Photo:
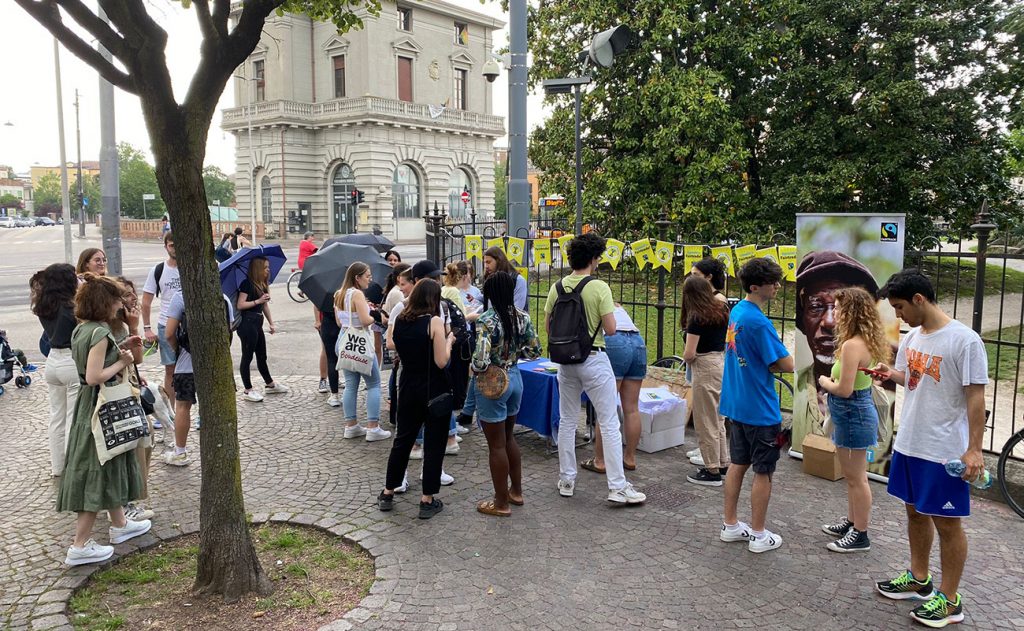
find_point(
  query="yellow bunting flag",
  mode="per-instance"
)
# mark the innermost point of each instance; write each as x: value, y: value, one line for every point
x: 768, y: 253
x: 542, y: 251
x: 563, y: 246
x: 787, y: 259
x: 516, y: 249
x: 522, y: 272
x: 663, y: 253
x: 642, y: 252
x: 474, y: 247
x: 744, y: 253
x: 497, y: 242
x: 691, y: 254
x: 724, y: 254
x: 613, y: 253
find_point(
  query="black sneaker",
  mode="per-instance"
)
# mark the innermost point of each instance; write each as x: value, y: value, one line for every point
x: 853, y: 541
x: 429, y: 509
x: 705, y: 478
x: 905, y: 586
x: 838, y: 530
x: 385, y: 502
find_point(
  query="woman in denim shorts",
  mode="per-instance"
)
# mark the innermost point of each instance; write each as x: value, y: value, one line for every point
x: 504, y: 334
x: 860, y: 343
x: 627, y: 353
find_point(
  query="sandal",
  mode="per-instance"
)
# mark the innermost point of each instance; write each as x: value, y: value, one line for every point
x: 487, y: 508
x: 629, y: 467
x: 589, y: 465
x: 516, y: 502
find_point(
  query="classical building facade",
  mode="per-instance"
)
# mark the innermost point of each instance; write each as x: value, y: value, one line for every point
x: 399, y: 111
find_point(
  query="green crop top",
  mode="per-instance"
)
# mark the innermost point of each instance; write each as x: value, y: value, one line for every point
x: 862, y: 382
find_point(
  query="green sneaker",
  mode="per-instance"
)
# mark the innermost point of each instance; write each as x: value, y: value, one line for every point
x: 938, y: 612
x: 905, y: 586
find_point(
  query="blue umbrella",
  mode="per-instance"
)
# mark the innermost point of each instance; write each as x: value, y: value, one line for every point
x: 236, y: 269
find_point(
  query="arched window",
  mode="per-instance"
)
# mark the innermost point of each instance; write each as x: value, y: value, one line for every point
x: 405, y: 193
x: 265, y: 206
x: 460, y: 182
x: 342, y: 184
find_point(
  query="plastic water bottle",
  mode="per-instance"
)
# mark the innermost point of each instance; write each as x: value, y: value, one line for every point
x: 956, y: 469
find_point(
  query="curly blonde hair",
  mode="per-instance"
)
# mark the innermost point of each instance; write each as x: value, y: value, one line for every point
x: 857, y: 314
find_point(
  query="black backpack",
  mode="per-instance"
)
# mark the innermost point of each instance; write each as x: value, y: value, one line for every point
x: 457, y: 321
x: 181, y: 333
x: 569, y: 338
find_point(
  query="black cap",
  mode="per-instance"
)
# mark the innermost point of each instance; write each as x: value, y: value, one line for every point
x: 425, y: 269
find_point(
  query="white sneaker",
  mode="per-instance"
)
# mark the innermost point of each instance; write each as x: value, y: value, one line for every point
x: 323, y: 388
x: 446, y: 480
x: 739, y: 532
x: 405, y: 485
x: 458, y: 439
x: 91, y: 552
x: 334, y: 400
x: 253, y: 396
x: 769, y: 541
x: 416, y: 453
x: 374, y: 434
x: 626, y: 495
x: 137, y: 512
x: 277, y: 388
x: 697, y: 460
x: 461, y: 429
x: 354, y: 431
x: 176, y: 460
x: 452, y: 449
x: 130, y: 530
x: 566, y: 487
x: 693, y: 452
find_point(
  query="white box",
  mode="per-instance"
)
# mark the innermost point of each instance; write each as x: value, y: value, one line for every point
x: 662, y: 420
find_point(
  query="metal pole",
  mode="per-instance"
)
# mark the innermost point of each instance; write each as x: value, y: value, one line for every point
x: 81, y: 184
x: 663, y: 223
x: 144, y: 207
x: 252, y: 160
x: 110, y: 176
x: 518, y: 187
x: 579, y: 168
x: 984, y: 228
x: 64, y: 196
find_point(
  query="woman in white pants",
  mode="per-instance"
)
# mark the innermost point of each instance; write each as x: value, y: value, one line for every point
x: 53, y: 294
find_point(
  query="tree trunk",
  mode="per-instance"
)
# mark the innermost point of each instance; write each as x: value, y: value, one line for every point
x: 227, y: 563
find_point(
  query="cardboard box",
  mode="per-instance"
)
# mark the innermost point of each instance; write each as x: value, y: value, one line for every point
x: 665, y: 428
x: 820, y: 458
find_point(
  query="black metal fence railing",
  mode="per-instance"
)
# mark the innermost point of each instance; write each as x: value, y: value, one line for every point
x: 979, y: 284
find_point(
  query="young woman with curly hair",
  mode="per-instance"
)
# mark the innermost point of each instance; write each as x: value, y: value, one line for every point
x: 860, y: 343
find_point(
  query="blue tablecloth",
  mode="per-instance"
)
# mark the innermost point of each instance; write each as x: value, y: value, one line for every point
x: 539, y: 409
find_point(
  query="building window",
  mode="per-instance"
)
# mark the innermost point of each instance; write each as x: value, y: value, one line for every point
x: 461, y: 99
x: 339, y: 77
x: 405, y: 79
x: 462, y: 34
x: 260, y: 80
x: 405, y: 193
x: 268, y: 212
x: 460, y: 182
x: 404, y: 19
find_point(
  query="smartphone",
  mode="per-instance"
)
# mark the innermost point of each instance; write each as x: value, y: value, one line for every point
x: 873, y: 373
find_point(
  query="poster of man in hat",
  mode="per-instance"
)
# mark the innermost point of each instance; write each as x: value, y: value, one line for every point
x: 836, y: 251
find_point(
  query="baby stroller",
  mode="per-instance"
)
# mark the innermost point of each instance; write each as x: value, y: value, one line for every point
x: 7, y: 361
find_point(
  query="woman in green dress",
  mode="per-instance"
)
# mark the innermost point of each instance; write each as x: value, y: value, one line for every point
x: 86, y: 486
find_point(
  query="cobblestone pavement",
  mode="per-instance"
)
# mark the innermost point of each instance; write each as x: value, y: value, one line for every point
x: 555, y: 564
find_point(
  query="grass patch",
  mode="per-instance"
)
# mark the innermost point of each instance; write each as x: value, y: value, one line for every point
x: 953, y: 277
x: 317, y: 578
x: 1005, y: 358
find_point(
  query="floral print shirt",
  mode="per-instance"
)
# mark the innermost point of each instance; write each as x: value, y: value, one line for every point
x: 490, y: 342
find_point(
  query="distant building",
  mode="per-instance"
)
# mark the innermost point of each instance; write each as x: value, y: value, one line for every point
x: 399, y: 111
x: 10, y: 184
x: 89, y: 167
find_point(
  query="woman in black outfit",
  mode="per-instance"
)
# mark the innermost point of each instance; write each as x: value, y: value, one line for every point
x: 419, y: 337
x: 253, y: 296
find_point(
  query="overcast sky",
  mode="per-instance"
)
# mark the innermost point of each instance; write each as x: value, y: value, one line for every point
x: 29, y: 102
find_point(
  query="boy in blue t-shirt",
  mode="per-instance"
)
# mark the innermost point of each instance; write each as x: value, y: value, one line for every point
x: 753, y: 351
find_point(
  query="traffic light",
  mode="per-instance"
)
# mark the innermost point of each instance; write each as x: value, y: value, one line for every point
x: 357, y: 196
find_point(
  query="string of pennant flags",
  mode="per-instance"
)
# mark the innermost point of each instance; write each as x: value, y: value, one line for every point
x: 644, y: 252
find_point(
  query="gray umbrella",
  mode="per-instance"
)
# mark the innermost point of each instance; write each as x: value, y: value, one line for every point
x: 376, y: 241
x: 324, y: 272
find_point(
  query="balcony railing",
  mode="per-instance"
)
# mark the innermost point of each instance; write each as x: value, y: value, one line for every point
x: 359, y: 109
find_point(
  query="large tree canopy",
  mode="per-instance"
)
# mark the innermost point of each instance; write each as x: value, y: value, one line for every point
x: 733, y: 116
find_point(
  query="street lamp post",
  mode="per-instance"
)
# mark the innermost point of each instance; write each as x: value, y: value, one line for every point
x: 81, y: 184
x: 64, y: 196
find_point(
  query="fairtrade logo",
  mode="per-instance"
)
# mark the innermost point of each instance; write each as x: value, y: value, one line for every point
x: 890, y: 231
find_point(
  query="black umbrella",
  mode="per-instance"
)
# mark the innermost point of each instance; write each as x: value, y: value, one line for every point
x: 324, y: 272
x: 376, y: 241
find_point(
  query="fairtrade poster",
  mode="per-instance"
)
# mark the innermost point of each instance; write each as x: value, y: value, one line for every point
x: 724, y: 254
x: 835, y: 251
x: 516, y: 249
x: 522, y: 272
x: 770, y: 252
x: 474, y: 247
x: 692, y: 254
x: 663, y: 252
x: 497, y: 242
x: 563, y: 246
x: 542, y: 251
x: 743, y: 254
x: 787, y: 259
x: 613, y: 253
x: 642, y: 252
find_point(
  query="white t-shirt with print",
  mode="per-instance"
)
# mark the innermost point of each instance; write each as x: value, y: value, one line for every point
x: 170, y: 286
x: 933, y: 424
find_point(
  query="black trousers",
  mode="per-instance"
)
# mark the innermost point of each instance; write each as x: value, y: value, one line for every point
x: 458, y: 373
x: 254, y: 343
x: 412, y: 414
x: 329, y: 333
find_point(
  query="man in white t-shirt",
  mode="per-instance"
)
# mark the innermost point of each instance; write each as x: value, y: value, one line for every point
x: 165, y: 282
x: 942, y: 365
x: 184, y: 383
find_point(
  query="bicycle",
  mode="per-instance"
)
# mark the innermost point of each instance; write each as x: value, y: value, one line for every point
x: 293, y: 286
x: 1014, y: 494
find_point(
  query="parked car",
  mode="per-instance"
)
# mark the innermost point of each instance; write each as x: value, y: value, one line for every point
x: 8, y: 222
x: 24, y: 222
x: 45, y: 221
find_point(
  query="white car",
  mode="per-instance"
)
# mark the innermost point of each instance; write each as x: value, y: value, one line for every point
x: 7, y: 222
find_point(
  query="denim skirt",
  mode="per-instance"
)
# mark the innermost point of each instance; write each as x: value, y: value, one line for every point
x: 855, y: 420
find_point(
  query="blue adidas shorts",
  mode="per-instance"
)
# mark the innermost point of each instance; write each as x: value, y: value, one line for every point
x: 927, y: 487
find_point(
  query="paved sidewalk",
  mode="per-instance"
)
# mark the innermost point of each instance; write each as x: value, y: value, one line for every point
x: 555, y: 564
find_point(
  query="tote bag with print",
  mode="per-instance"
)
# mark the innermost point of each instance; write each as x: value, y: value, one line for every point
x: 355, y: 347
x: 119, y: 422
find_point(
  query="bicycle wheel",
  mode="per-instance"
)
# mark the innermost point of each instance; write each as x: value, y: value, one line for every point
x: 293, y: 288
x: 1011, y: 465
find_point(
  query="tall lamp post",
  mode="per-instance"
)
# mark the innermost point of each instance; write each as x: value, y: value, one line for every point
x: 65, y: 201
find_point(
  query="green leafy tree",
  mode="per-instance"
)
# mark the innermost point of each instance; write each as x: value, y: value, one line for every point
x: 500, y: 189
x: 138, y: 178
x: 91, y: 192
x: 227, y: 562
x: 46, y: 195
x: 218, y: 186
x: 10, y: 202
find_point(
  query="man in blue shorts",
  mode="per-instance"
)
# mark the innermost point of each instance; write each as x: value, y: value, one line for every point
x: 943, y: 368
x: 753, y: 351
